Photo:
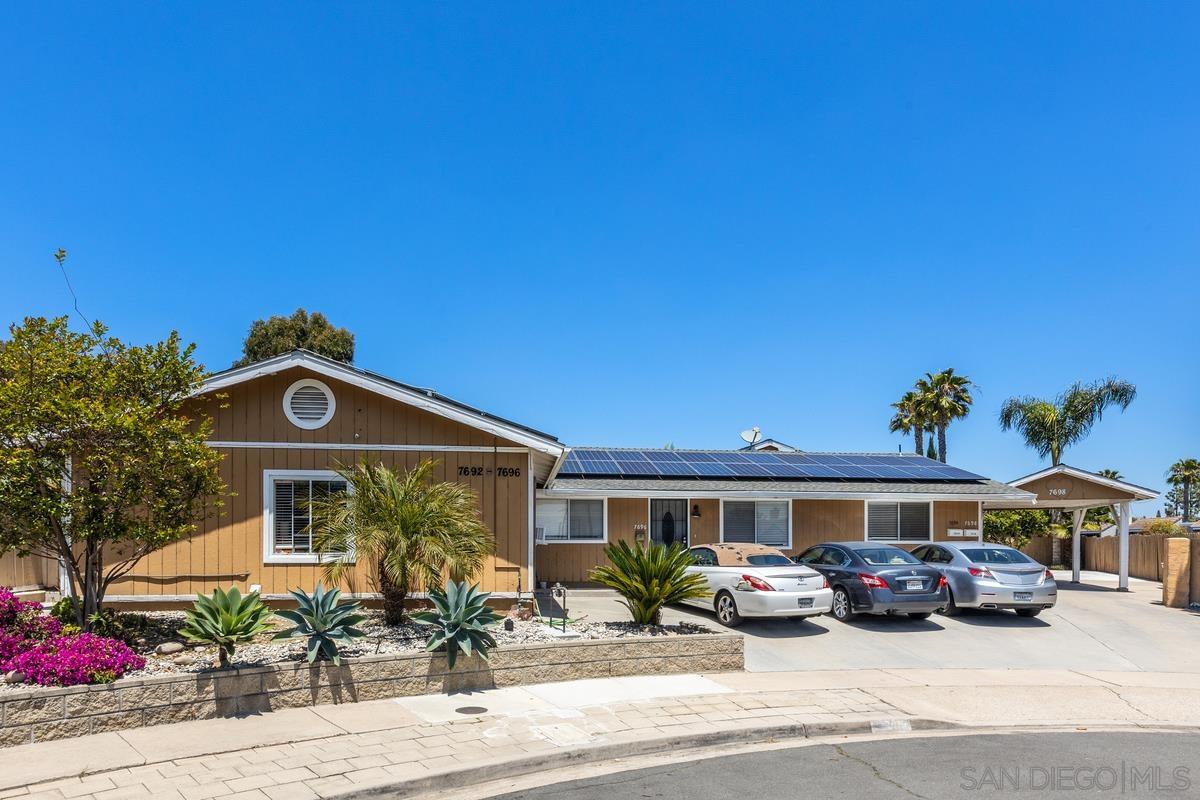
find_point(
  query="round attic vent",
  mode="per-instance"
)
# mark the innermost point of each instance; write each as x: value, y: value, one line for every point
x: 308, y: 404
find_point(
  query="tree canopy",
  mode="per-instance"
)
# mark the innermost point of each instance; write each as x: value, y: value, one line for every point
x: 100, y: 461
x: 300, y: 331
x: 1051, y: 426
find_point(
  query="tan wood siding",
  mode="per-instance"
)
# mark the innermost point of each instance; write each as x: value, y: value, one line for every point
x: 954, y: 514
x: 706, y: 529
x: 571, y: 562
x: 33, y: 572
x: 1066, y: 488
x: 816, y: 521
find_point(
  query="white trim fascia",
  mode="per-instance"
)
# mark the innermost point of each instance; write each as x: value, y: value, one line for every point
x: 721, y: 519
x: 355, y: 378
x: 604, y: 523
x: 758, y: 495
x: 558, y: 462
x: 268, y: 515
x: 1139, y: 492
x: 406, y: 448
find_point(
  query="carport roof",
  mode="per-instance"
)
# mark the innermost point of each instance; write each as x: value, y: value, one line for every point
x: 1067, y: 487
x: 817, y: 490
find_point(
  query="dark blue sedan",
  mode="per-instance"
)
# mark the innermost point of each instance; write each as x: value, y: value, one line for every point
x: 875, y: 578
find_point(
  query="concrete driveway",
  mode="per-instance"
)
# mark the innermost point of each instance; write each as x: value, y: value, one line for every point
x: 1093, y: 627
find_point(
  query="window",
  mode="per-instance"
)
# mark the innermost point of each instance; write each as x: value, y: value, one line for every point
x: 886, y: 556
x: 996, y: 555
x: 287, y: 495
x: 899, y: 522
x: 570, y: 520
x: 704, y: 557
x: 308, y: 403
x: 764, y: 522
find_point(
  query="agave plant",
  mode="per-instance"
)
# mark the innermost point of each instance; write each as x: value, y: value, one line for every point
x: 226, y: 619
x: 649, y: 578
x: 460, y: 618
x: 324, y: 621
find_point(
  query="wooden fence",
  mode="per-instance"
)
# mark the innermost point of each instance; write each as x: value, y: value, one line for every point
x: 27, y: 573
x: 1040, y: 549
x: 1146, y: 554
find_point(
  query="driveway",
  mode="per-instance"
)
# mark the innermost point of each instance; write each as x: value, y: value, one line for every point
x: 1093, y: 627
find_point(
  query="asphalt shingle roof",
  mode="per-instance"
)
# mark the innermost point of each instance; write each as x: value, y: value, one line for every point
x: 651, y: 485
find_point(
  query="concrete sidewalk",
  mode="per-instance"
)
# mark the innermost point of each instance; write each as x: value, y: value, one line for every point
x: 412, y: 745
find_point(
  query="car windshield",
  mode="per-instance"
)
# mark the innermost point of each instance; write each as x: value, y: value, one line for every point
x: 988, y: 555
x: 885, y: 556
x: 768, y: 560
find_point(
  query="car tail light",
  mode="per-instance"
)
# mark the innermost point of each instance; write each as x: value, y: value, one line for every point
x: 942, y: 581
x: 1047, y: 576
x: 872, y: 581
x: 758, y: 584
x: 824, y: 582
x: 981, y: 572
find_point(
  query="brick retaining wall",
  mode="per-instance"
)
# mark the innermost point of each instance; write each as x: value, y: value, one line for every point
x: 36, y: 715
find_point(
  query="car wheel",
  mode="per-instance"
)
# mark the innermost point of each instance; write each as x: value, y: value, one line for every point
x: 951, y: 608
x: 727, y: 613
x: 922, y: 615
x: 1028, y: 612
x: 841, y: 606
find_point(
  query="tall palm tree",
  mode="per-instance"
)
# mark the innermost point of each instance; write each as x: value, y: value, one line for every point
x: 943, y: 398
x: 1051, y: 426
x: 1182, y: 474
x: 415, y: 532
x: 908, y: 419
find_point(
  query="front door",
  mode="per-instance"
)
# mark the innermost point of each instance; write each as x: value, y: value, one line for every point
x: 668, y: 522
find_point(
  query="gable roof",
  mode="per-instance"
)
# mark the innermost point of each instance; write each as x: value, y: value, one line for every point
x: 424, y: 399
x: 765, y: 444
x: 1139, y: 492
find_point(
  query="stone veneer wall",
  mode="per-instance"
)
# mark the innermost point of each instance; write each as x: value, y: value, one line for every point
x: 37, y: 715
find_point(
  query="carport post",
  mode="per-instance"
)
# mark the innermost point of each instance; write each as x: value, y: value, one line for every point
x: 1076, y: 527
x: 1123, y: 546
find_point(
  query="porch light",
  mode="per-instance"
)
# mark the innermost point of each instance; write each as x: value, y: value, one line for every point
x: 695, y: 511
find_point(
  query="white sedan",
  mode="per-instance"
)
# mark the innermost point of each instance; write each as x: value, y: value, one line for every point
x: 750, y: 580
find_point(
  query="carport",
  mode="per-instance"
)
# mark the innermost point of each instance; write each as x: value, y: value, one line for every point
x: 1076, y: 490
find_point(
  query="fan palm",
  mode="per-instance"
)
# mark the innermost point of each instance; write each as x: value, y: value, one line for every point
x: 416, y: 532
x: 909, y: 418
x: 1183, y: 474
x: 944, y: 397
x: 1051, y: 426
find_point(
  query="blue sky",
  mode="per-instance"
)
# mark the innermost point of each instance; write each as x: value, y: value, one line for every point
x: 628, y: 224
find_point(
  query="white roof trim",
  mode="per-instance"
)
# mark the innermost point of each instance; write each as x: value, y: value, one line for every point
x: 1015, y: 497
x: 1139, y: 492
x: 347, y: 374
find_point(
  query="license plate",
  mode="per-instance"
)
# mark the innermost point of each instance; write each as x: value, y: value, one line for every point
x: 805, y: 602
x: 1022, y: 597
x: 913, y: 586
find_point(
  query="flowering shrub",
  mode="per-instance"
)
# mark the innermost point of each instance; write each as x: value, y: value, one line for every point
x: 70, y: 660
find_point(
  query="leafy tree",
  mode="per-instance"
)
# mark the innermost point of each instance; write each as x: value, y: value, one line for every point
x: 415, y: 532
x: 1051, y: 426
x: 1015, y: 528
x: 1173, y: 503
x: 276, y: 335
x: 1163, y: 527
x: 942, y: 398
x: 1184, y: 474
x: 1097, y: 518
x: 909, y: 418
x: 100, y: 462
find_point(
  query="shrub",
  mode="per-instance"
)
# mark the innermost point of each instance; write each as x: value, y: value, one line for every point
x: 22, y: 624
x: 649, y: 578
x: 1161, y: 526
x: 460, y: 618
x: 72, y: 660
x: 1015, y: 528
x: 320, y: 618
x: 226, y: 619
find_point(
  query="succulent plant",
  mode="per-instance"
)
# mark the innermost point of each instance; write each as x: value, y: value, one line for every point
x: 649, y: 578
x: 460, y: 618
x: 226, y: 619
x: 324, y: 621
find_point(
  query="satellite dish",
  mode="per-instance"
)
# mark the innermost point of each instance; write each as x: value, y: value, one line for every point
x: 752, y: 436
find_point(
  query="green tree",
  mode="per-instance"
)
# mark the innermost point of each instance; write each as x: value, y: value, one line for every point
x: 909, y: 418
x: 1051, y: 426
x: 1015, y: 528
x: 1184, y: 474
x: 1173, y: 503
x: 417, y: 533
x: 101, y: 460
x: 301, y: 331
x: 1097, y: 518
x: 943, y: 397
x: 1163, y: 527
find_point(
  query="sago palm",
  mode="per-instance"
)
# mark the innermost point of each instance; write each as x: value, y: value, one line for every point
x: 942, y: 398
x: 1183, y: 474
x: 648, y: 578
x: 1051, y: 426
x: 416, y: 532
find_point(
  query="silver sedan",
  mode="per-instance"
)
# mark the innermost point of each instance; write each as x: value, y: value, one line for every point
x: 992, y: 576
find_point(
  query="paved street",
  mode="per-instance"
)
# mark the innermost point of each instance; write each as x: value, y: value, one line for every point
x: 1103, y: 764
x: 1092, y: 627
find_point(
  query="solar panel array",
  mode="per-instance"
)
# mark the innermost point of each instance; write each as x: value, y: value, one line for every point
x: 734, y: 465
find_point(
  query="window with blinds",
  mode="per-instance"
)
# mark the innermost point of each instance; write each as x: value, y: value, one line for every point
x: 896, y: 522
x: 570, y: 520
x: 756, y: 522
x: 291, y: 512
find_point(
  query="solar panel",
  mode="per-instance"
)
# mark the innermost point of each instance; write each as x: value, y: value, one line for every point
x: 614, y: 462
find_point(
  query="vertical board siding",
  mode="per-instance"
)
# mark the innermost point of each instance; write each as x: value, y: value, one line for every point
x: 572, y: 562
x: 816, y: 521
x: 33, y: 572
x: 954, y: 514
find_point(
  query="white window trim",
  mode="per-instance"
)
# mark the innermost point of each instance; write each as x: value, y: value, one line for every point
x: 308, y: 425
x: 721, y: 537
x: 268, y: 515
x: 867, y: 524
x: 603, y: 528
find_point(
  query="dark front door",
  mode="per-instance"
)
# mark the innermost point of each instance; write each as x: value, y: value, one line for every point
x: 669, y: 521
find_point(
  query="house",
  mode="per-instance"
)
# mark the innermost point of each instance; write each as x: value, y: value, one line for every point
x: 284, y: 425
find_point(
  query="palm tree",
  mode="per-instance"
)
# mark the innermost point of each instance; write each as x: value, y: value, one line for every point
x: 909, y: 419
x: 1051, y: 426
x: 1099, y: 517
x: 943, y: 398
x: 1182, y: 474
x: 416, y: 533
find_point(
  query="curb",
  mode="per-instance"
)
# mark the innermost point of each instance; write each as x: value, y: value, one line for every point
x: 458, y: 779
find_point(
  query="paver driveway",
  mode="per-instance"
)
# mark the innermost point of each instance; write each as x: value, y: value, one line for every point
x: 1093, y: 627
